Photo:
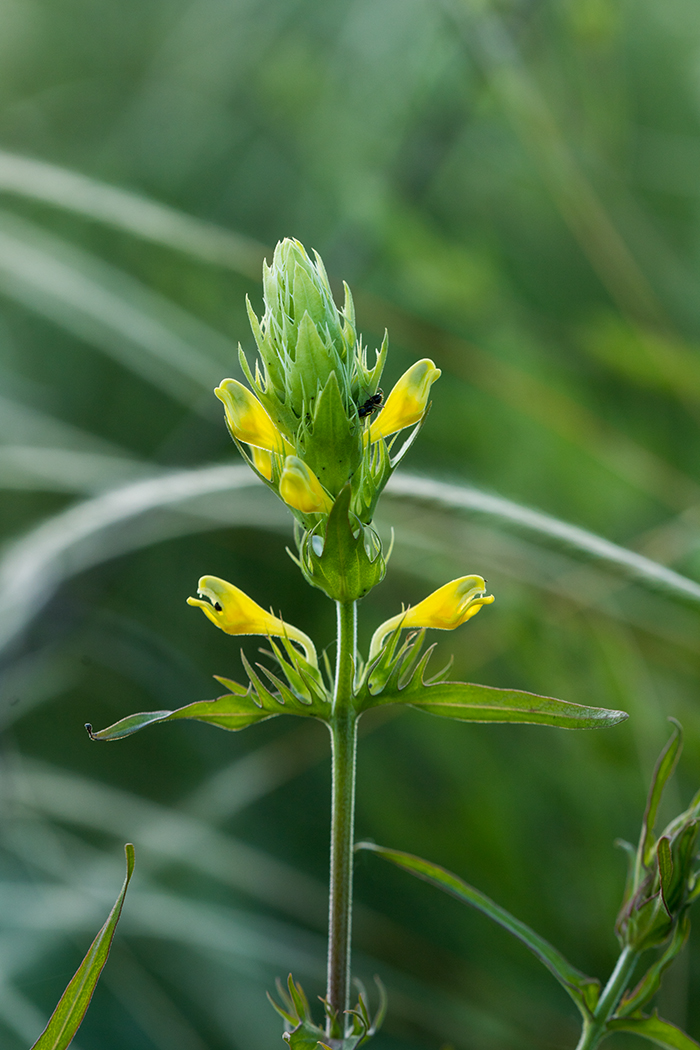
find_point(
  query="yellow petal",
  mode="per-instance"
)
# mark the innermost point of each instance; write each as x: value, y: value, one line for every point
x: 301, y: 489
x: 446, y: 608
x: 248, y: 419
x: 406, y: 403
x: 262, y: 460
x: 234, y: 612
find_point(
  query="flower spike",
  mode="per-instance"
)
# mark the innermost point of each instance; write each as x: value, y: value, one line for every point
x: 446, y: 608
x: 235, y: 613
x: 247, y: 418
x: 301, y: 489
x: 406, y: 403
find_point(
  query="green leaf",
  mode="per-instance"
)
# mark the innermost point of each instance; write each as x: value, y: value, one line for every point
x: 68, y: 1015
x: 662, y: 771
x: 656, y: 1030
x: 233, y: 712
x: 651, y: 981
x: 582, y: 989
x: 481, y: 703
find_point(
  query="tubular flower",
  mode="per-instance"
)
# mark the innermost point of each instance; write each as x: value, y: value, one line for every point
x: 406, y: 403
x: 247, y: 418
x: 235, y: 613
x: 446, y: 608
x: 262, y: 460
x: 301, y: 489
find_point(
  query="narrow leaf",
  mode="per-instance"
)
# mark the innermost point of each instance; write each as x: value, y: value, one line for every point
x: 467, y: 702
x: 232, y: 712
x: 68, y: 1015
x: 582, y: 989
x: 662, y: 771
x: 656, y: 1030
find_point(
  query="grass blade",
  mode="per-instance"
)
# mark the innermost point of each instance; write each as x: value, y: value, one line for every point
x: 547, y: 529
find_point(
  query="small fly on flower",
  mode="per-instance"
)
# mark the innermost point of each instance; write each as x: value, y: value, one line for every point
x: 372, y: 404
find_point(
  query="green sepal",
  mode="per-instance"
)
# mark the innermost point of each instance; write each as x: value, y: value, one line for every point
x: 350, y: 562
x: 655, y: 1029
x: 331, y: 444
x: 70, y: 1011
x: 468, y: 702
x: 583, y: 990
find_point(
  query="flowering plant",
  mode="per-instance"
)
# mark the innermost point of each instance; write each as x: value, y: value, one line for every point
x: 314, y: 426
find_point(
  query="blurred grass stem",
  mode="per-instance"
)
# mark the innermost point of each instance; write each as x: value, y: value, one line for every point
x: 343, y: 729
x: 595, y: 1029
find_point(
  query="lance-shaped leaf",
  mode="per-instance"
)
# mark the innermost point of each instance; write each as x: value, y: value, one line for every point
x: 662, y: 771
x: 68, y: 1015
x: 238, y: 709
x: 656, y: 1030
x: 582, y: 989
x: 468, y: 702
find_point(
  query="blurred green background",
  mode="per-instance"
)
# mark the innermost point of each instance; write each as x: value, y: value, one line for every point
x: 513, y: 189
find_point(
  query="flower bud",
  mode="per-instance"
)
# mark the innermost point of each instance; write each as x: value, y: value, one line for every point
x: 235, y: 613
x: 301, y: 489
x: 446, y: 608
x: 407, y: 401
x: 247, y: 419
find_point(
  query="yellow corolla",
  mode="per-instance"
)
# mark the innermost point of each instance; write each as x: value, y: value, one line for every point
x: 446, y: 608
x: 262, y: 460
x: 248, y: 419
x: 235, y: 613
x: 301, y: 489
x: 406, y: 403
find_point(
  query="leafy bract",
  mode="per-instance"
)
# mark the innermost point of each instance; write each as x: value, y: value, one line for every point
x: 656, y: 1030
x: 582, y: 989
x: 302, y: 694
x: 397, y: 676
x: 240, y: 708
x: 68, y: 1015
x: 468, y: 702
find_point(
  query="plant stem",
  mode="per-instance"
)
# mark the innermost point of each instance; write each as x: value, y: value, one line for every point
x: 343, y: 727
x: 594, y: 1030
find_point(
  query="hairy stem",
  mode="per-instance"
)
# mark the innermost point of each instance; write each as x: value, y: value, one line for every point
x: 594, y: 1030
x: 343, y: 729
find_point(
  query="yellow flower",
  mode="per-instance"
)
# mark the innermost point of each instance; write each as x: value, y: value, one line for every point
x: 248, y: 419
x: 406, y: 403
x: 262, y: 460
x: 235, y: 613
x: 446, y: 608
x: 301, y: 489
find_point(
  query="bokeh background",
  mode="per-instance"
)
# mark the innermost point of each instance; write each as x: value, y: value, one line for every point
x: 513, y: 189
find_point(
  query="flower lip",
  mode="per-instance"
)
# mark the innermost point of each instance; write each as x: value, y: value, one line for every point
x: 445, y: 609
x: 234, y: 612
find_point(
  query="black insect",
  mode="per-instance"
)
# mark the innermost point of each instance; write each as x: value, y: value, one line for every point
x: 372, y: 404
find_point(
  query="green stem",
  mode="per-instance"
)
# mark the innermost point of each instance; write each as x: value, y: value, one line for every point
x: 594, y: 1030
x: 343, y: 727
